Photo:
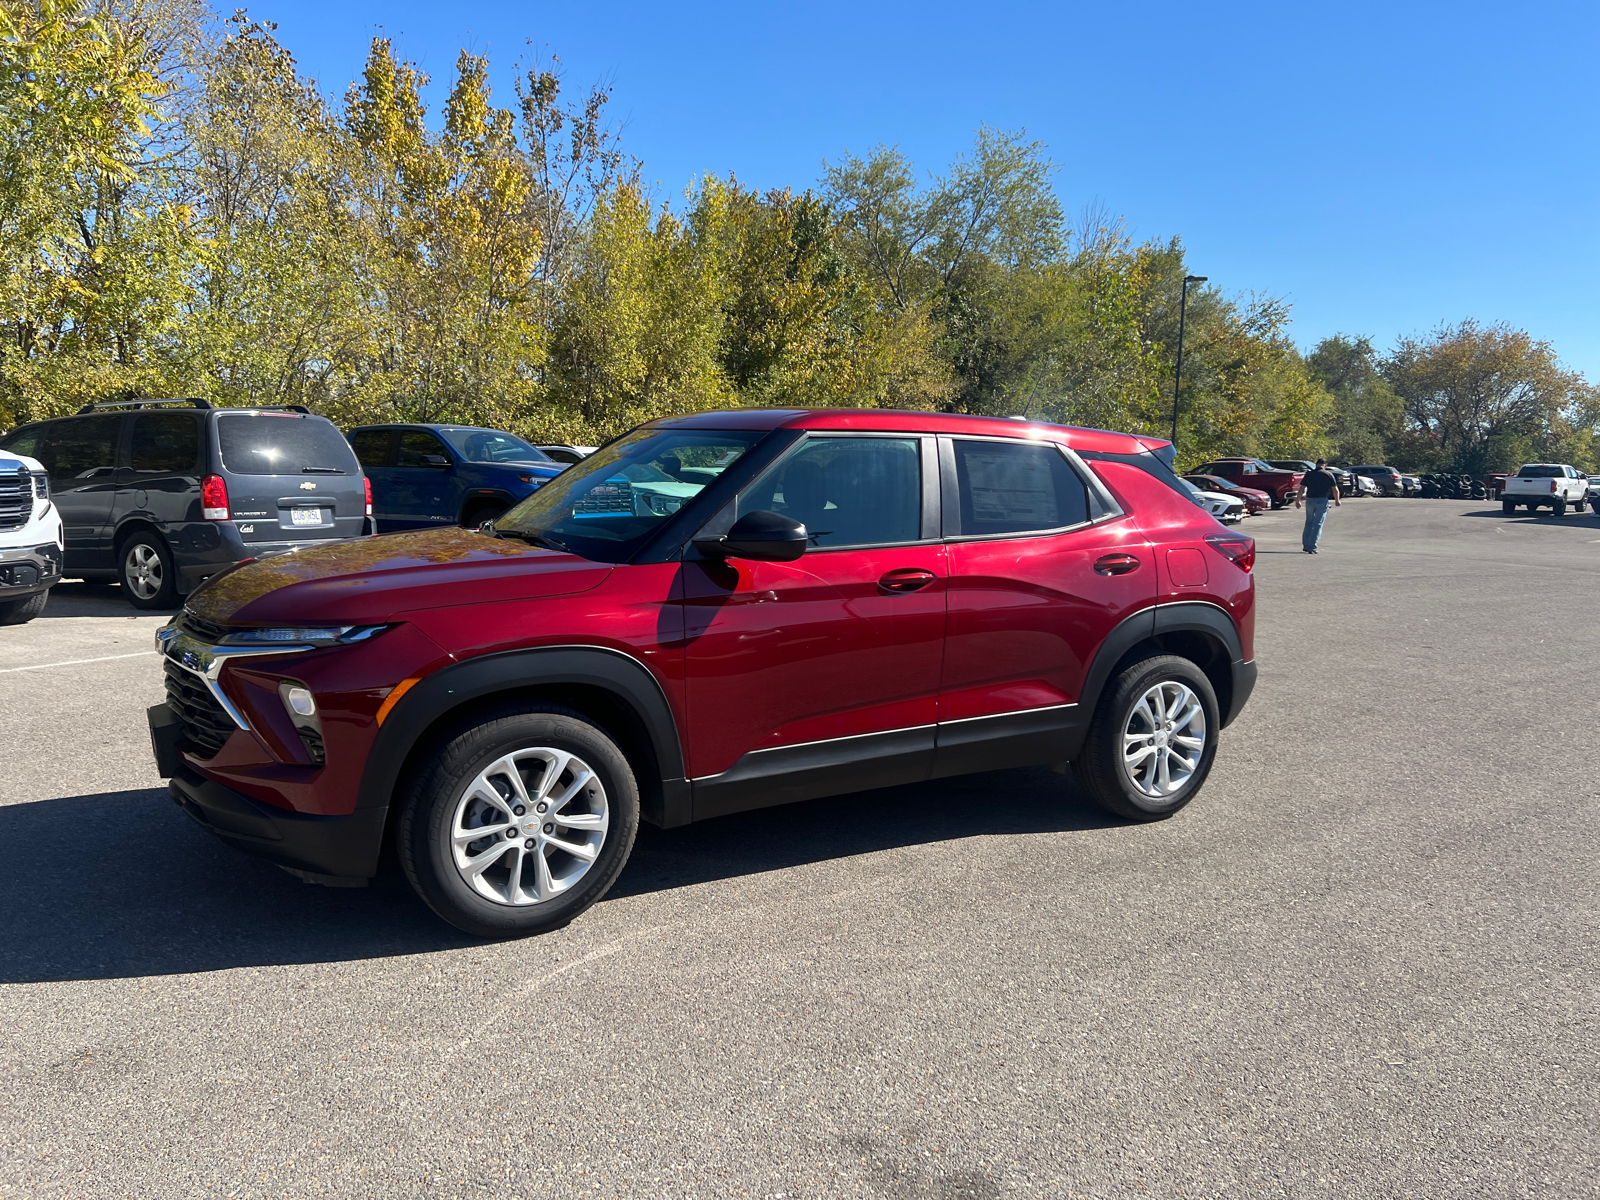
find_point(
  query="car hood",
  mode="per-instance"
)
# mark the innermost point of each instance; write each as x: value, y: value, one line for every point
x: 543, y: 470
x: 366, y: 581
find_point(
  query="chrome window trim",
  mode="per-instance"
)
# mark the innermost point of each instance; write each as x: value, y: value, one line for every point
x: 1095, y: 489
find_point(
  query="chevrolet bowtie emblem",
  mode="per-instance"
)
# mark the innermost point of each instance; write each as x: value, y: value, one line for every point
x: 308, y: 486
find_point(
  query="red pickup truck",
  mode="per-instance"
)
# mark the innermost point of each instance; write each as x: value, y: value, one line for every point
x: 1282, y: 486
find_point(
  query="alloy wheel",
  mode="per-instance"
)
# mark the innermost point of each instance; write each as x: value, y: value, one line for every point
x: 529, y: 826
x: 143, y: 572
x: 1164, y: 739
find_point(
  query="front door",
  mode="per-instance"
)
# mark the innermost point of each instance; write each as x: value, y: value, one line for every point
x: 1040, y: 572
x: 821, y: 675
x: 80, y: 454
x: 422, y: 491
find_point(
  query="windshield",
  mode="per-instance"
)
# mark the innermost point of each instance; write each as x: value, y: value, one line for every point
x: 283, y: 444
x: 1194, y: 492
x: 1541, y: 472
x: 606, y: 506
x: 492, y: 446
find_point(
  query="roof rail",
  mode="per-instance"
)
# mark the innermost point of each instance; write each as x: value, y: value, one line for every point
x: 299, y: 408
x: 189, y: 402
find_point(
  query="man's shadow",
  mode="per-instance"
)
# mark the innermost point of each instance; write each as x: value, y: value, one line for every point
x: 123, y: 884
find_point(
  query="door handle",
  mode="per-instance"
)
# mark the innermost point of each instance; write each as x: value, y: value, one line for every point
x: 1115, y: 564
x: 905, y: 579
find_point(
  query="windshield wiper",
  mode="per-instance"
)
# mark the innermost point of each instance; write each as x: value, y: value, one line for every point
x: 536, y: 539
x: 322, y: 470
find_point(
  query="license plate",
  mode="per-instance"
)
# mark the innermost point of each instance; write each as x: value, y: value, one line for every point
x: 305, y: 516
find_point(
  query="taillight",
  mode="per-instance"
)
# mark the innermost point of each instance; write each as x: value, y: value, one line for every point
x: 214, y: 498
x: 1553, y: 488
x: 1236, y: 547
x: 367, y: 483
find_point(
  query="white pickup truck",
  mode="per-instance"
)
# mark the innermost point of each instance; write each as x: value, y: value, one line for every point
x: 1546, y: 485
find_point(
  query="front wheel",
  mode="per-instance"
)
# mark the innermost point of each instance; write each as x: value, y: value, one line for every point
x: 1152, y: 740
x: 1508, y: 507
x: 1579, y: 505
x: 20, y: 612
x: 519, y: 822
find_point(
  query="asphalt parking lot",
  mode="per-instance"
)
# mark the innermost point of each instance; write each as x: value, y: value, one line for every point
x: 1362, y: 963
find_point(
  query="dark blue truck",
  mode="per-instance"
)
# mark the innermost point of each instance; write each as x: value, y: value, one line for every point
x: 446, y: 474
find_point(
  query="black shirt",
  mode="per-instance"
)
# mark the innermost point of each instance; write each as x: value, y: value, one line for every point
x: 1319, y: 485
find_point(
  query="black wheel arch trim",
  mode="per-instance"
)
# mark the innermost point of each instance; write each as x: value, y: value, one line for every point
x: 1235, y: 676
x: 666, y: 797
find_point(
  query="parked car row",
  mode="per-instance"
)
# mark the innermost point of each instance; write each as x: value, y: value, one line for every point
x: 159, y: 495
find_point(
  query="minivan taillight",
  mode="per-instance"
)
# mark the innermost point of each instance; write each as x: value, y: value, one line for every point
x: 214, y: 498
x: 367, y: 483
x: 1236, y: 547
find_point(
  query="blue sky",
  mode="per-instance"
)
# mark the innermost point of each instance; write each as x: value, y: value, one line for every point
x: 1385, y: 167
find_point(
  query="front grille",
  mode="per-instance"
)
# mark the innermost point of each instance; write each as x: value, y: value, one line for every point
x: 16, y: 499
x: 205, y: 724
x: 206, y: 631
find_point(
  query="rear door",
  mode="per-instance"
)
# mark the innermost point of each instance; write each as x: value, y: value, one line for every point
x: 375, y: 450
x: 81, y: 455
x: 1042, y: 567
x: 291, y: 477
x: 162, y: 479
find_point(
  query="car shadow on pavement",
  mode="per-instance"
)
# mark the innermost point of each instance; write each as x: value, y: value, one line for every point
x: 81, y: 598
x: 122, y: 884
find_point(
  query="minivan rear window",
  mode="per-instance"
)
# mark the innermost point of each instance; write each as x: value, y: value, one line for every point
x: 283, y: 444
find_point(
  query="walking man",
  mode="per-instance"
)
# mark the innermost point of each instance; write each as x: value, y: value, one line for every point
x: 1317, y: 489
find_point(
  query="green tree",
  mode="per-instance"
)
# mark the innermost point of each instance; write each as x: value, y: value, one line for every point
x: 1368, y: 418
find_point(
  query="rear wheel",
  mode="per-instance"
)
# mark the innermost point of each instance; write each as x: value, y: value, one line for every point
x: 1558, y: 508
x: 20, y: 612
x: 519, y: 822
x: 1152, y: 740
x: 149, y: 576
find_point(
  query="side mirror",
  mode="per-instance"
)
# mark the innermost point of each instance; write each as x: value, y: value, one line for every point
x: 761, y: 536
x: 435, y: 460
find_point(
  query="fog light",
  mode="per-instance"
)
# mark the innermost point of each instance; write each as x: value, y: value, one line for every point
x: 302, y: 706
x: 300, y: 701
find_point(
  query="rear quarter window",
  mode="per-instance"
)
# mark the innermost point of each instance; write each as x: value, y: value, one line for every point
x: 283, y: 444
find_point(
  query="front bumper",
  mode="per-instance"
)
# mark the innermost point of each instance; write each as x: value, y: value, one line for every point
x: 28, y: 570
x: 341, y: 851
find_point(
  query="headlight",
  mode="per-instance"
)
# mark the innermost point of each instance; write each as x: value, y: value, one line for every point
x: 41, y: 487
x: 324, y: 635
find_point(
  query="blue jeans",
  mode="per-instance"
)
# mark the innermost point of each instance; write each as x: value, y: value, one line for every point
x: 1316, y: 514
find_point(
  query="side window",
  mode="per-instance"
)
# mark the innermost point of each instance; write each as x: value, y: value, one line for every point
x: 1249, y: 468
x: 81, y: 450
x: 846, y: 491
x: 372, y: 447
x: 166, y: 443
x: 1020, y: 487
x: 27, y: 444
x: 416, y: 445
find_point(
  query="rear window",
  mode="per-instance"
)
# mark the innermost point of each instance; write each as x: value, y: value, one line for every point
x: 283, y: 444
x: 1541, y: 472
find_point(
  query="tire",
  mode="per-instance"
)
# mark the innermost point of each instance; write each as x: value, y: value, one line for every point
x: 20, y: 612
x: 1508, y: 507
x: 475, y: 517
x: 1558, y: 508
x: 147, y: 572
x: 1579, y: 505
x: 502, y: 899
x: 1100, y: 768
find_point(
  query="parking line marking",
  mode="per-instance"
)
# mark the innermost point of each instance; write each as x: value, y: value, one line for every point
x: 73, y: 662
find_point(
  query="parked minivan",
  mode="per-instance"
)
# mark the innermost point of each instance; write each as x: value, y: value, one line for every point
x: 160, y: 494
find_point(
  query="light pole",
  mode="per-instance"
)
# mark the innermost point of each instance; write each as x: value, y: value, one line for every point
x: 1177, y: 376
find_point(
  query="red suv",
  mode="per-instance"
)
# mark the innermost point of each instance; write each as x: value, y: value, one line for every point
x: 711, y: 614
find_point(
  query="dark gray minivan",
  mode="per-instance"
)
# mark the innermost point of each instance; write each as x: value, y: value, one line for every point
x: 159, y: 494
